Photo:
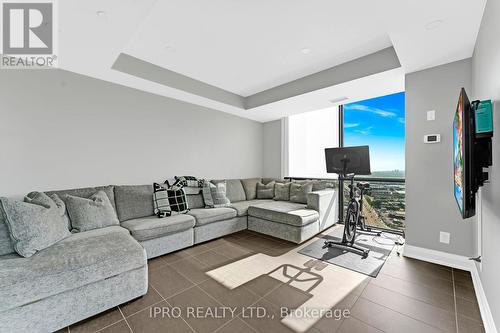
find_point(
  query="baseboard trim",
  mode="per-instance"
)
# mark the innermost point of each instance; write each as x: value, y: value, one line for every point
x: 459, y: 262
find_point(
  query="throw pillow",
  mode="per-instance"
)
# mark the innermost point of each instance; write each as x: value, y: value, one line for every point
x: 214, y: 195
x: 250, y: 187
x: 36, y: 223
x: 91, y: 213
x: 190, y: 184
x: 265, y: 191
x: 170, y: 200
x: 319, y: 185
x: 282, y: 191
x: 298, y: 192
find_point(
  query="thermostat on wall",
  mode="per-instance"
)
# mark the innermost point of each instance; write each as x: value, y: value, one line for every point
x: 432, y: 138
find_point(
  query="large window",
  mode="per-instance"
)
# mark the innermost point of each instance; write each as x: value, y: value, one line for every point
x: 308, y: 135
x: 380, y: 123
x: 377, y: 122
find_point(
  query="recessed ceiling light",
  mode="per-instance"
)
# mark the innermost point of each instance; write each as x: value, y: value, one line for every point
x: 433, y: 24
x: 100, y: 13
x: 305, y: 50
x: 169, y: 48
x: 339, y: 100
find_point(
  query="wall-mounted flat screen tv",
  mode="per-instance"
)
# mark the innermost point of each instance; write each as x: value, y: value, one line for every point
x: 463, y: 136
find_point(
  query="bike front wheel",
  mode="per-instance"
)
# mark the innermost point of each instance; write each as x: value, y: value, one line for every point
x: 351, y: 221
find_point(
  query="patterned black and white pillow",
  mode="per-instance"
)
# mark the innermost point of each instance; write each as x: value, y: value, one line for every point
x: 169, y: 200
x: 191, y: 184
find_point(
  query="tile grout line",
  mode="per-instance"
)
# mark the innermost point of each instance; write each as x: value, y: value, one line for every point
x: 418, y: 284
x: 403, y: 314
x: 134, y: 313
x: 106, y: 326
x: 126, y: 322
x: 350, y: 315
x: 184, y: 320
x: 454, y: 298
x: 418, y: 300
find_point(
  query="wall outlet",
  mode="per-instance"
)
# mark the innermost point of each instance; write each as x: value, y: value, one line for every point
x: 431, y: 115
x: 444, y: 237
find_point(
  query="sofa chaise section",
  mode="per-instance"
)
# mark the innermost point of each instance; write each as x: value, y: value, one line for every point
x: 295, y: 222
x: 241, y: 207
x: 76, y: 278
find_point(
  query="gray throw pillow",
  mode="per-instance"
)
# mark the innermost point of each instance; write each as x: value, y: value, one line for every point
x: 298, y: 192
x: 319, y: 185
x: 265, y: 191
x: 36, y: 223
x: 92, y: 213
x: 214, y: 195
x: 250, y: 187
x: 282, y: 191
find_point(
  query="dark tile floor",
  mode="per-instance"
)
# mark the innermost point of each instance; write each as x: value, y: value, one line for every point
x: 407, y: 296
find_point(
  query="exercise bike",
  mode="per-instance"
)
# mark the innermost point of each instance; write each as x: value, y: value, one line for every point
x: 353, y: 219
x: 346, y: 162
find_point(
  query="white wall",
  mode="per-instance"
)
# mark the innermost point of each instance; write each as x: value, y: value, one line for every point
x: 430, y: 204
x: 61, y: 130
x: 272, y: 149
x: 486, y: 82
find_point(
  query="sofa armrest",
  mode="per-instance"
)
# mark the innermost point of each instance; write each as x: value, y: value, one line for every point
x: 325, y: 202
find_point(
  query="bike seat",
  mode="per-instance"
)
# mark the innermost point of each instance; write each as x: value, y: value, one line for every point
x: 363, y: 185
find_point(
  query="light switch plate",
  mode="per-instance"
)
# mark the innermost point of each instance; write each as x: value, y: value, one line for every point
x: 431, y: 115
x: 444, y: 237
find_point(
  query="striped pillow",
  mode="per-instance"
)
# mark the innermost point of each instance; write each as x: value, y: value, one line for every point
x: 215, y: 195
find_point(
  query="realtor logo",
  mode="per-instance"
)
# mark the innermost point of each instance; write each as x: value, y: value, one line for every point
x: 28, y: 34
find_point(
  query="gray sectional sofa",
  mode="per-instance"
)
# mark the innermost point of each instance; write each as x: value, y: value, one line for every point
x: 92, y: 271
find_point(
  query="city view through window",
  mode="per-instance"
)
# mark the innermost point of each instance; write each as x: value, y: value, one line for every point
x: 380, y: 123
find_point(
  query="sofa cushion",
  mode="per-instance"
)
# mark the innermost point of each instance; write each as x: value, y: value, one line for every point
x: 35, y: 223
x: 298, y: 192
x: 75, y: 261
x: 91, y: 213
x: 214, y: 195
x: 195, y: 200
x: 234, y: 189
x: 86, y: 192
x: 6, y: 245
x: 241, y: 207
x: 282, y: 192
x: 133, y: 201
x: 284, y: 212
x: 250, y: 187
x: 209, y: 215
x: 276, y: 180
x: 265, y: 191
x: 152, y: 227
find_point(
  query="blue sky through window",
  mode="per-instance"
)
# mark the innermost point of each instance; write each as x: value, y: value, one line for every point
x: 380, y: 123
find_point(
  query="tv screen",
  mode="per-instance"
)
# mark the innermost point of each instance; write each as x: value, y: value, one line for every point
x: 463, y: 136
x: 357, y: 160
x: 458, y: 155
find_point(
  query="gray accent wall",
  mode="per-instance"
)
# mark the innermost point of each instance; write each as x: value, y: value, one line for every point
x: 61, y: 130
x: 272, y: 149
x: 486, y: 81
x: 430, y: 204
